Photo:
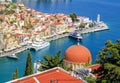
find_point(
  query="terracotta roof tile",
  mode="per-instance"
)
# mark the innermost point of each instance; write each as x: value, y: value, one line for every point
x: 58, y: 23
x: 17, y: 34
x: 55, y: 74
x: 95, y: 67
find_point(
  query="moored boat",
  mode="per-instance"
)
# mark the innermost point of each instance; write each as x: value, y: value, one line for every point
x: 75, y: 35
x: 13, y: 56
x: 39, y: 44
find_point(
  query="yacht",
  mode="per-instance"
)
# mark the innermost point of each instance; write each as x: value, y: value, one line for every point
x: 13, y: 56
x: 39, y: 44
x: 75, y: 35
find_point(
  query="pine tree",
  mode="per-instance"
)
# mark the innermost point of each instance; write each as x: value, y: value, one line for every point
x: 73, y: 17
x: 29, y: 65
x: 15, y: 74
x: 53, y: 61
x: 109, y: 58
x: 90, y: 79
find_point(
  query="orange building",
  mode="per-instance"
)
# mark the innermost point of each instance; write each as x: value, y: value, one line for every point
x: 77, y: 56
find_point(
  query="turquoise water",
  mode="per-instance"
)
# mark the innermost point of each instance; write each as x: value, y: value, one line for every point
x: 109, y: 11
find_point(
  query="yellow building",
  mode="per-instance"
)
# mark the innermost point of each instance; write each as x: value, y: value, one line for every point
x: 77, y: 56
x: 11, y: 43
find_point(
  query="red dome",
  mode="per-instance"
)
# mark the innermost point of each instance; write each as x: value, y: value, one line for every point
x: 78, y: 54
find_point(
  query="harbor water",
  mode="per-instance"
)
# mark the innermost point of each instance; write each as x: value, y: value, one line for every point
x: 109, y: 11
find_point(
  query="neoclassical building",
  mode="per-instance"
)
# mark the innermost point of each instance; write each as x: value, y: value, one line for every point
x: 77, y: 56
x: 1, y: 41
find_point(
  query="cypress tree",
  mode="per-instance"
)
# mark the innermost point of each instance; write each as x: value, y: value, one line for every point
x: 15, y: 74
x: 29, y: 65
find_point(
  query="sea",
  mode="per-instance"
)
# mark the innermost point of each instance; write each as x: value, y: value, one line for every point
x: 109, y: 11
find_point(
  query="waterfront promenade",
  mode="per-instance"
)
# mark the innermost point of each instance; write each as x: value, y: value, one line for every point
x: 99, y: 27
x: 57, y: 36
x: 14, y: 51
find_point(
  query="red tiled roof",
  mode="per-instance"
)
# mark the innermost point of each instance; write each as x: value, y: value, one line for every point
x: 95, y: 67
x: 38, y: 31
x: 1, y: 28
x: 46, y: 23
x: 46, y: 76
x: 58, y: 23
x: 10, y: 25
x: 96, y: 75
x: 29, y: 35
x: 36, y: 21
x: 18, y: 34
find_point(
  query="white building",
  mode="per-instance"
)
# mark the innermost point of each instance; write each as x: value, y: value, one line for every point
x: 5, y: 0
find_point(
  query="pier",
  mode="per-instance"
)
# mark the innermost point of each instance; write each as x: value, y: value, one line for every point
x: 14, y: 51
x: 99, y: 27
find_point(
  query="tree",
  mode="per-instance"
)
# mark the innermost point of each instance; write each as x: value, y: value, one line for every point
x: 13, y: 6
x: 6, y: 12
x: 53, y: 61
x: 82, y: 25
x: 15, y: 74
x: 29, y: 65
x: 1, y: 20
x: 73, y: 17
x: 109, y: 58
x: 91, y: 24
x: 90, y: 79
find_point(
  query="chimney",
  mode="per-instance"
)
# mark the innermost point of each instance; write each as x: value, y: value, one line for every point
x: 53, y: 80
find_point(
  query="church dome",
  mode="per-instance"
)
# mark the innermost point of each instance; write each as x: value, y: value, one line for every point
x: 78, y: 54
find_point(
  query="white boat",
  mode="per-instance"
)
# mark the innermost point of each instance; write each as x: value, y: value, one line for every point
x: 13, y: 56
x: 39, y: 44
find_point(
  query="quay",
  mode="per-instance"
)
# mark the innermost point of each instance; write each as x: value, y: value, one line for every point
x: 99, y: 27
x: 57, y: 36
x: 14, y: 51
